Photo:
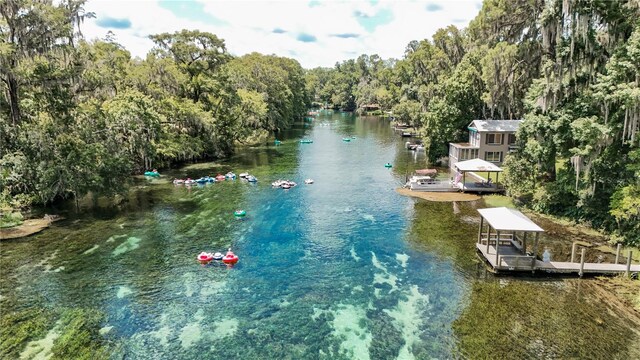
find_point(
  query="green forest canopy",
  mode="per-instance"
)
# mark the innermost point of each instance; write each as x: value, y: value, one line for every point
x: 80, y: 116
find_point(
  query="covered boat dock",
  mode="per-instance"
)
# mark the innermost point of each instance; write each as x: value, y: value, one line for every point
x: 470, y: 183
x: 505, y: 235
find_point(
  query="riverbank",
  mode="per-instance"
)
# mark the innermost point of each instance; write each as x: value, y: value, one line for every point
x: 438, y: 196
x: 28, y: 227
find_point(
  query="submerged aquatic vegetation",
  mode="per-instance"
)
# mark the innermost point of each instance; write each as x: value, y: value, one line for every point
x: 80, y: 336
x: 516, y: 319
x: 19, y: 327
x: 58, y: 334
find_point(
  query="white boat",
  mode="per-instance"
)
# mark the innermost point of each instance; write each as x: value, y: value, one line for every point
x: 308, y: 181
x: 251, y: 178
x: 419, y: 182
x: 243, y: 175
x: 284, y: 184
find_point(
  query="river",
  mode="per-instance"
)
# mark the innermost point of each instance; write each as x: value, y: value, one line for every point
x: 341, y: 269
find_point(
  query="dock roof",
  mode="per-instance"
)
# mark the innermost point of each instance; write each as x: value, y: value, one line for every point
x: 505, y: 219
x: 476, y: 165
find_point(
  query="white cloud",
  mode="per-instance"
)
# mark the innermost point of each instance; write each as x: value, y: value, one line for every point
x: 250, y: 24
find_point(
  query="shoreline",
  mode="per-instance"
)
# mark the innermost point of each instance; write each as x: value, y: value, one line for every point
x: 438, y: 196
x: 28, y: 227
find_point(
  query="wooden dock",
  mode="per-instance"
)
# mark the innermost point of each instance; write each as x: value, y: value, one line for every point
x: 504, y: 248
x: 509, y: 258
x: 469, y: 187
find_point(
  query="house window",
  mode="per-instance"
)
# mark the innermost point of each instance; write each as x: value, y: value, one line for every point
x: 494, y: 139
x: 474, y: 138
x: 466, y: 154
x: 512, y: 139
x: 493, y: 156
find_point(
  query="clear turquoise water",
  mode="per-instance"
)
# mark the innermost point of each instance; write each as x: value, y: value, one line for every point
x: 341, y: 269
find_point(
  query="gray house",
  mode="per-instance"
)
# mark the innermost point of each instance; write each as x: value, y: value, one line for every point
x: 489, y: 140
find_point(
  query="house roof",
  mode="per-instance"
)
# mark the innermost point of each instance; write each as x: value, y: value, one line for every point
x: 505, y: 219
x: 476, y: 165
x: 496, y: 125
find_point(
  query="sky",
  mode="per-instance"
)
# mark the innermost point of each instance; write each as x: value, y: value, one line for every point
x: 316, y: 33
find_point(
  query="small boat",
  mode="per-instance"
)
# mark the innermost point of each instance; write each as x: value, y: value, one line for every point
x: 230, y: 258
x: 230, y: 175
x: 243, y: 175
x: 205, y: 257
x: 152, y: 173
x: 353, y: 136
x: 308, y: 181
x: 346, y: 139
x: 218, y: 256
x: 278, y: 142
x: 284, y: 184
x: 252, y: 178
x: 220, y: 177
x: 178, y: 181
x: 189, y: 181
x: 201, y: 180
x: 388, y: 165
x: 239, y: 213
x: 306, y: 141
x: 420, y: 182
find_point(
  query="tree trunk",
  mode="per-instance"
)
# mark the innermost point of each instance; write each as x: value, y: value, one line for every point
x: 12, y: 85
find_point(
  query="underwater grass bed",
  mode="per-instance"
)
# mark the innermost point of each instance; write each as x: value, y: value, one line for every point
x: 64, y: 334
x: 520, y: 319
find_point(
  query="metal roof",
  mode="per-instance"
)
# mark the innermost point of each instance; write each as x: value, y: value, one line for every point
x: 505, y: 219
x: 476, y: 165
x: 496, y: 125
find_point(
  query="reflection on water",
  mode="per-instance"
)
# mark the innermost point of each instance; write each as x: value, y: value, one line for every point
x: 341, y: 269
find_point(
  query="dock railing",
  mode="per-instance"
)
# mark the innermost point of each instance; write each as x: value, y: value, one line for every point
x: 516, y: 262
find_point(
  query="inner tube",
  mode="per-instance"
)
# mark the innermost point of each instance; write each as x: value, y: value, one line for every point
x: 346, y: 139
x: 230, y: 258
x: 239, y: 213
x: 205, y: 258
x: 218, y: 256
x: 388, y: 165
x: 151, y: 173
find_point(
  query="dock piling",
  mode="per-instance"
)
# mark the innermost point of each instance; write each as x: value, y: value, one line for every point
x: 581, y: 272
x: 618, y: 253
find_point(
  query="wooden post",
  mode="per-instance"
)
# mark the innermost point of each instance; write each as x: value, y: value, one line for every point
x: 480, y: 230
x: 535, y: 245
x: 573, y: 252
x: 581, y: 272
x: 628, y: 270
x: 488, y: 237
x: 618, y: 253
x: 524, y: 243
x: 497, y: 247
x: 488, y: 232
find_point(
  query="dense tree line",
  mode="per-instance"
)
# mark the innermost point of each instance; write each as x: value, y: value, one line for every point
x: 81, y: 116
x: 569, y: 68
